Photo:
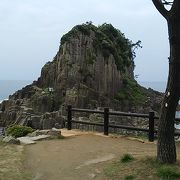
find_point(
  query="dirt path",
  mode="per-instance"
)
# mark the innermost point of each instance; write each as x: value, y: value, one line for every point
x: 80, y: 157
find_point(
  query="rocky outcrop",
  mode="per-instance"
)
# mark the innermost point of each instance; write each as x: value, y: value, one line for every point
x: 10, y: 140
x: 93, y: 68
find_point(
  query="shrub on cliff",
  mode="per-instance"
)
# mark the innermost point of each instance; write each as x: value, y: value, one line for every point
x: 109, y: 40
x: 19, y: 131
x: 132, y: 92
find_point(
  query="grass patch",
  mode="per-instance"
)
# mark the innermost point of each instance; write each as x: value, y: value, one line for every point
x: 2, y: 143
x: 168, y: 172
x: 60, y: 137
x: 112, y: 170
x: 129, y: 177
x: 11, y: 163
x: 142, y: 168
x: 127, y: 158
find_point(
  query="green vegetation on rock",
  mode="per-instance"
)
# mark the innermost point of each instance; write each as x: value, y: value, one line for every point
x: 19, y: 131
x: 111, y: 41
x: 84, y: 29
x: 132, y: 92
x: 107, y: 39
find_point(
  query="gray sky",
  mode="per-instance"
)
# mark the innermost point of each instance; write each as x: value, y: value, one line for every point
x: 30, y: 32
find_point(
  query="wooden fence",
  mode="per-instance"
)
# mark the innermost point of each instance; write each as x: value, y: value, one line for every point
x: 151, y: 118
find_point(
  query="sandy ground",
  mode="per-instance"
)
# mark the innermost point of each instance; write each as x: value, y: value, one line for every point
x: 81, y: 156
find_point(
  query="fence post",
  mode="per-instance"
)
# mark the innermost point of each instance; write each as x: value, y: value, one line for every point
x: 106, y: 121
x: 69, y: 117
x: 151, y: 126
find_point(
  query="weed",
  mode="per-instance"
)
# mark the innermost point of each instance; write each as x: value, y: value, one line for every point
x: 129, y: 177
x: 127, y: 158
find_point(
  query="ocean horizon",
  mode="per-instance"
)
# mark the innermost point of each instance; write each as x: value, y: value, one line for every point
x: 9, y: 87
x: 156, y: 85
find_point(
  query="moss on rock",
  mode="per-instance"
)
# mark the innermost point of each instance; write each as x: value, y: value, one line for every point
x: 132, y: 92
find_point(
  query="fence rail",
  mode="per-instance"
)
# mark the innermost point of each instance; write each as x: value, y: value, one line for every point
x: 151, y: 118
x: 177, y: 120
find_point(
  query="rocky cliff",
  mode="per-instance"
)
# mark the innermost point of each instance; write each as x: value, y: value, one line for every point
x: 93, y: 68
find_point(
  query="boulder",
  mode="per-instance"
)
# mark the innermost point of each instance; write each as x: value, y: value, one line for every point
x: 31, y: 140
x: 34, y: 122
x: 50, y: 132
x: 48, y: 123
x: 54, y: 132
x: 57, y: 126
x: 10, y: 140
x: 26, y: 140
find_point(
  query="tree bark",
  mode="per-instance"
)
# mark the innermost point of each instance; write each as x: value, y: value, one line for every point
x: 166, y: 149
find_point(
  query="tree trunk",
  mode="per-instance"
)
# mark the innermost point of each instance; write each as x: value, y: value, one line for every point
x: 166, y: 149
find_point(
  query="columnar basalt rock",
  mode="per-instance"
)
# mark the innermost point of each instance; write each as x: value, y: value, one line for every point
x: 93, y: 68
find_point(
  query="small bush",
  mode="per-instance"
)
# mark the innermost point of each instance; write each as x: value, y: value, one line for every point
x: 127, y: 158
x: 129, y: 177
x: 19, y: 131
x: 167, y: 172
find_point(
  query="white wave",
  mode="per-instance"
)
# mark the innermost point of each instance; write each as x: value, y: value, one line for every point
x: 3, y: 100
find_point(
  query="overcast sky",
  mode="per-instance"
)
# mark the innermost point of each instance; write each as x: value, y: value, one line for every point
x: 30, y: 32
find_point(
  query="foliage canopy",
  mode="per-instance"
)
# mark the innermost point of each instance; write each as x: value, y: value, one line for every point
x: 107, y: 39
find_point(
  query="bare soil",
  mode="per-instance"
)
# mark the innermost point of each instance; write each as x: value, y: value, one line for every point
x: 81, y: 156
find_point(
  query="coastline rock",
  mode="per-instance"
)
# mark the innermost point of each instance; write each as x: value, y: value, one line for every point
x: 10, y: 140
x: 92, y: 68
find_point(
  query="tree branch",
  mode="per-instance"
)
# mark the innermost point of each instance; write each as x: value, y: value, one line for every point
x: 167, y: 2
x: 175, y: 7
x: 160, y: 7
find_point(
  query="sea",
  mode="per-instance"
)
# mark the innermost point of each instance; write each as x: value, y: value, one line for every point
x: 8, y: 87
x: 161, y: 87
